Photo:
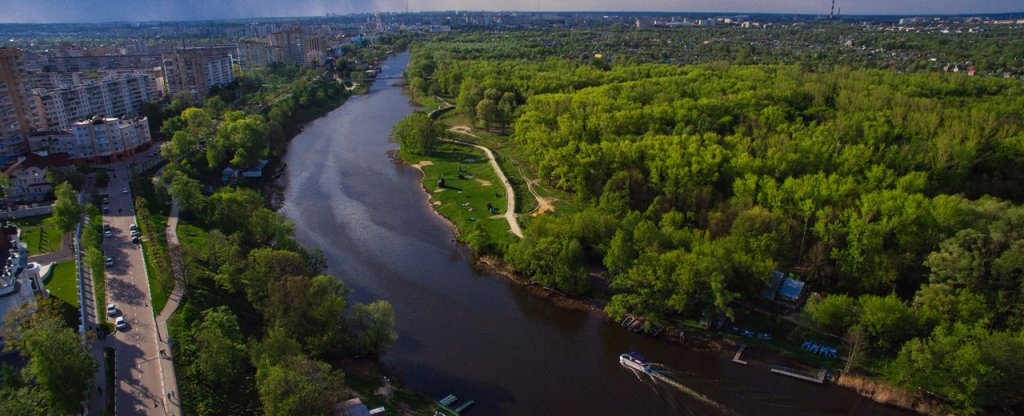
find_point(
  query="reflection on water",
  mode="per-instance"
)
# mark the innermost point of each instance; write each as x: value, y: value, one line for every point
x: 479, y: 336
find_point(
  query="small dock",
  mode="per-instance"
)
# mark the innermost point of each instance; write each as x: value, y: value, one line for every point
x: 736, y: 358
x: 802, y: 375
x: 450, y: 404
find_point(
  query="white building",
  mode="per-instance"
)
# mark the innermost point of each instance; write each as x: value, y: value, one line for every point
x: 28, y: 181
x: 98, y: 139
x: 115, y: 95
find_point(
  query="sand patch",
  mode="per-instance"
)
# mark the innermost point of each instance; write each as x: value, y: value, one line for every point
x: 422, y: 164
x: 436, y: 203
x: 438, y: 190
x: 484, y: 183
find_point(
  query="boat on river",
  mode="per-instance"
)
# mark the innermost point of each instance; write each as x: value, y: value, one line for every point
x: 635, y: 361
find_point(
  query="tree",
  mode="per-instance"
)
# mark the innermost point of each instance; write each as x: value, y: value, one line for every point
x: 220, y: 350
x: 298, y: 386
x: 833, y: 313
x: 417, y: 133
x: 374, y: 327
x: 888, y: 321
x: 312, y: 309
x: 486, y: 112
x: 66, y: 209
x: 188, y: 193
x: 57, y: 363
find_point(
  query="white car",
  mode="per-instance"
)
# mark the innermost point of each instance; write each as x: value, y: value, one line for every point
x: 110, y: 261
x: 111, y: 310
x: 121, y: 323
x: 124, y: 190
x: 108, y: 233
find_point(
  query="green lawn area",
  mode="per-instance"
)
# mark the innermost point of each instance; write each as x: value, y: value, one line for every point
x: 156, y: 290
x: 464, y: 201
x: 63, y: 282
x: 40, y: 234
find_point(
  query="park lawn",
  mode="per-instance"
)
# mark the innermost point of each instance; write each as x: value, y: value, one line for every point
x: 156, y: 290
x: 63, y: 283
x: 464, y: 201
x: 40, y: 234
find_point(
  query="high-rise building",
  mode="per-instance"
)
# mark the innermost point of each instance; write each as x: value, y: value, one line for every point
x: 196, y: 70
x: 314, y: 47
x: 114, y: 95
x: 290, y: 46
x: 15, y: 113
x: 255, y: 54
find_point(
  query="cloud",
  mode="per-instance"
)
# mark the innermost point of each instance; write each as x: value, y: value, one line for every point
x: 40, y: 11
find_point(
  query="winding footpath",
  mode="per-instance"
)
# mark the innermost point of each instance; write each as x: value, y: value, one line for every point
x: 510, y: 202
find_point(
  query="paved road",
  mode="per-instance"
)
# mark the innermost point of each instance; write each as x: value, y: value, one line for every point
x: 138, y: 369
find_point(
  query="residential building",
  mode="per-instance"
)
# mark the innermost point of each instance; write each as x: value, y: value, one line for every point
x: 255, y: 54
x: 114, y: 95
x: 196, y: 70
x: 314, y: 47
x: 289, y: 45
x: 15, y: 112
x: 68, y: 64
x: 98, y: 139
x: 28, y: 181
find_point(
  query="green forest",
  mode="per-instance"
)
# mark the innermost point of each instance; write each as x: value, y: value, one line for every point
x: 893, y: 194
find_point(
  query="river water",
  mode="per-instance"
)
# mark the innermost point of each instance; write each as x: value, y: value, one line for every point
x: 479, y: 336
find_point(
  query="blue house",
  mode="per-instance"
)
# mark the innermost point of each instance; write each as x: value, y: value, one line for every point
x: 783, y: 289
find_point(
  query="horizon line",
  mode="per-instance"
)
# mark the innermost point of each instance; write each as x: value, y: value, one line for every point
x: 525, y: 12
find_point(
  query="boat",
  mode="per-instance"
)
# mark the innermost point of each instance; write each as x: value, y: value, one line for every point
x: 627, y: 320
x: 635, y: 361
x: 638, y: 326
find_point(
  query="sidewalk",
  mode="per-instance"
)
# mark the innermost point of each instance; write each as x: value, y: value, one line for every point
x: 172, y: 401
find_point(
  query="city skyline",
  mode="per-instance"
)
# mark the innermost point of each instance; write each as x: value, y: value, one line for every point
x: 69, y: 11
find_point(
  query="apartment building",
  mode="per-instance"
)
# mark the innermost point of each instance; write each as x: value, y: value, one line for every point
x: 115, y: 94
x: 196, y: 70
x: 290, y: 46
x: 100, y: 139
x: 15, y: 112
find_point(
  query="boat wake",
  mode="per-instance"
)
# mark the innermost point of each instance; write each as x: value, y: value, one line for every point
x: 660, y: 373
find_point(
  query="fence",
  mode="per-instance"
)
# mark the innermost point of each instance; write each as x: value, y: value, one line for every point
x: 26, y: 212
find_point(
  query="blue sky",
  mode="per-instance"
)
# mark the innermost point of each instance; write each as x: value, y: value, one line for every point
x: 38, y: 11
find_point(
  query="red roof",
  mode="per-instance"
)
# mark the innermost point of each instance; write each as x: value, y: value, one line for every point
x: 33, y: 159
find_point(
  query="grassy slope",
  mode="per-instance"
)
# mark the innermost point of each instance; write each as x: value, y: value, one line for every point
x: 63, y: 283
x: 464, y: 201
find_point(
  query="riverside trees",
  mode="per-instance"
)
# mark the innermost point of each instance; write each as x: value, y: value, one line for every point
x: 894, y: 191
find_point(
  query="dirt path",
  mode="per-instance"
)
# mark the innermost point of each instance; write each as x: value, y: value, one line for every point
x: 544, y: 204
x: 510, y: 201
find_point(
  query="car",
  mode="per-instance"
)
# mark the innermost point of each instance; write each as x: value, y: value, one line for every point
x: 106, y: 210
x: 110, y: 261
x: 134, y: 227
x: 136, y: 240
x: 124, y: 190
x: 121, y: 323
x: 111, y: 310
x: 106, y: 227
x: 136, y: 233
x: 107, y: 233
x: 106, y: 200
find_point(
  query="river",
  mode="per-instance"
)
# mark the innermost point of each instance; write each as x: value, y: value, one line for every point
x: 477, y: 335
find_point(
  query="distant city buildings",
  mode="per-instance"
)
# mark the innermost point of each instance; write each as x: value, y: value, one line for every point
x: 255, y: 53
x: 289, y: 45
x: 196, y: 70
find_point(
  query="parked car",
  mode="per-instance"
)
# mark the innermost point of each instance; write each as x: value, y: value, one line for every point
x: 107, y: 233
x: 134, y: 227
x: 111, y: 310
x: 110, y: 261
x: 124, y: 191
x: 136, y: 240
x: 106, y: 227
x: 121, y: 323
x: 106, y: 210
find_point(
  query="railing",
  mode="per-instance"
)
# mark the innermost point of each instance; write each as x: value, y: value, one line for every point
x: 81, y: 281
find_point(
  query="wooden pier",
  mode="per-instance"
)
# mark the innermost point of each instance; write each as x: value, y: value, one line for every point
x: 448, y: 404
x: 736, y: 358
x: 820, y: 378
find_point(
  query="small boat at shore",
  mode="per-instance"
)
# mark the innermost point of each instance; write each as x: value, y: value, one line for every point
x: 635, y: 361
x: 627, y: 320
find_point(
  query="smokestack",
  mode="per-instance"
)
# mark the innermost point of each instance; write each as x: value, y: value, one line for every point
x: 831, y: 13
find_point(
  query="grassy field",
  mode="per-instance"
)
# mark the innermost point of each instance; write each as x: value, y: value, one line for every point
x: 464, y: 201
x: 63, y: 283
x: 156, y: 290
x: 40, y: 234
